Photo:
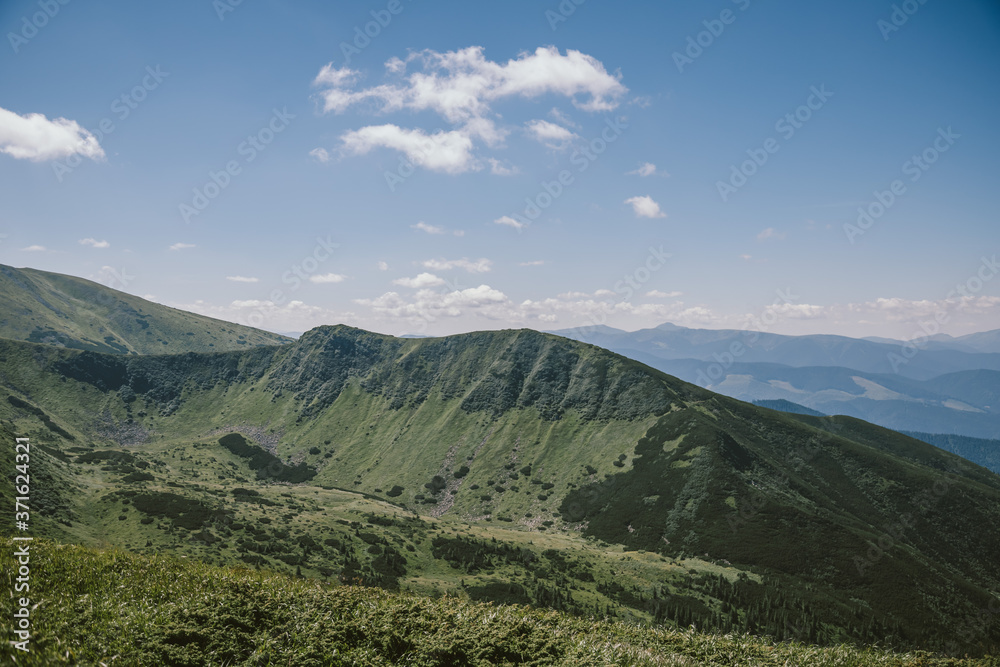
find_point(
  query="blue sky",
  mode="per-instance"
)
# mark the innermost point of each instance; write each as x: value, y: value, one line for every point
x: 260, y: 162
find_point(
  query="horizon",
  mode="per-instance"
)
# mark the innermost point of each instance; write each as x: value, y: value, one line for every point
x: 425, y: 170
x: 296, y: 334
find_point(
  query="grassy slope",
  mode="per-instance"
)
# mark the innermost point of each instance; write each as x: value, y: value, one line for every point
x: 72, y: 312
x: 178, y: 612
x: 383, y: 412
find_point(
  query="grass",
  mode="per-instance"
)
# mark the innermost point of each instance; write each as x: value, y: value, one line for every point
x: 116, y: 608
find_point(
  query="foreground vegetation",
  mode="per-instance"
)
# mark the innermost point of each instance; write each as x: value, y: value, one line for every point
x: 116, y: 608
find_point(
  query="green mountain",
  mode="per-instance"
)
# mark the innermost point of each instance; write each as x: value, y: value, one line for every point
x: 973, y: 449
x: 519, y: 467
x: 66, y: 311
x: 787, y: 406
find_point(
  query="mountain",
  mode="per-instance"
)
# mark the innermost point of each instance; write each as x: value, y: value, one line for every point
x: 787, y: 406
x: 724, y: 347
x: 66, y: 311
x: 939, y: 390
x: 973, y: 449
x: 514, y: 466
x: 963, y: 403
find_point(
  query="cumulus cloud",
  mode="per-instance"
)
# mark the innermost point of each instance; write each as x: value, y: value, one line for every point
x: 94, y: 243
x: 292, y: 315
x: 770, y: 233
x: 461, y: 87
x: 657, y: 294
x: 449, y: 152
x: 320, y: 154
x: 430, y: 229
x: 181, y: 246
x: 481, y: 265
x: 428, y: 305
x: 553, y: 136
x: 35, y: 137
x: 241, y: 279
x: 645, y: 207
x: 420, y: 281
x: 327, y: 278
x: 509, y: 222
x: 536, y: 262
x: 498, y: 168
x: 34, y: 248
x: 645, y: 169
x: 383, y: 266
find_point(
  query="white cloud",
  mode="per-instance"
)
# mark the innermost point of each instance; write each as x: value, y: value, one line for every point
x: 428, y: 305
x: 498, y: 168
x: 34, y: 248
x: 537, y: 262
x: 510, y: 222
x: 746, y: 257
x: 553, y: 136
x: 330, y: 76
x: 645, y: 169
x: 562, y: 118
x: 481, y: 265
x: 181, y: 246
x: 430, y: 229
x: 242, y: 279
x: 449, y: 152
x: 35, y: 137
x: 421, y: 281
x: 289, y: 316
x: 459, y: 232
x: 327, y: 278
x: 320, y: 154
x: 770, y: 233
x: 94, y: 243
x: 461, y: 86
x: 657, y: 294
x: 382, y: 266
x: 645, y: 207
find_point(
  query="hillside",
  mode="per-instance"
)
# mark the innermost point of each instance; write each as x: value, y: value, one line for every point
x: 521, y: 467
x: 179, y: 612
x: 71, y: 312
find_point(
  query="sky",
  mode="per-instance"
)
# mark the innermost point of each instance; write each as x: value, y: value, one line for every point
x: 415, y: 167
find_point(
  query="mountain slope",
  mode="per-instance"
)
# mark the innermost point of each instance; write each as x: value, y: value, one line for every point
x: 66, y: 311
x: 545, y: 436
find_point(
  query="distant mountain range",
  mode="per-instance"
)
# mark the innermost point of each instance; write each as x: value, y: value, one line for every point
x: 952, y: 386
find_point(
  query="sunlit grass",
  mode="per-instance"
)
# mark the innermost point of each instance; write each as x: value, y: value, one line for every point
x: 116, y: 608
